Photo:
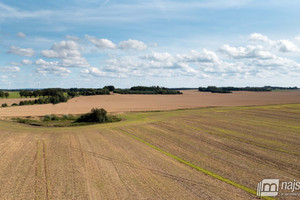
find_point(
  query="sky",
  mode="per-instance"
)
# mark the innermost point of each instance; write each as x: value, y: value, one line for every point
x: 192, y: 43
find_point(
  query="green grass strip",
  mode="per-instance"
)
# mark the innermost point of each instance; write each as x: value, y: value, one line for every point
x: 249, y: 190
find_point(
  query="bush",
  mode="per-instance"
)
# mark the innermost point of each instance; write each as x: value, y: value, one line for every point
x: 54, y: 118
x: 14, y: 104
x: 47, y: 118
x: 4, y: 105
x: 111, y: 88
x: 69, y: 117
x: 26, y: 103
x: 96, y: 115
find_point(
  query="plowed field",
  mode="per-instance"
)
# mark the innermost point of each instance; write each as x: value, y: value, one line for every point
x: 208, y: 153
x: 124, y: 103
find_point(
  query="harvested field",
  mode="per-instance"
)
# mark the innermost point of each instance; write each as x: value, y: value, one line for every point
x: 208, y: 153
x: 123, y: 103
x: 14, y: 100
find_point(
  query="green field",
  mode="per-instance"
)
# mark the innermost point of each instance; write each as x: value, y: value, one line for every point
x: 208, y: 153
x: 13, y: 95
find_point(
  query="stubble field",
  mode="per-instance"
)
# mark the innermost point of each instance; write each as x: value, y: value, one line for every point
x: 125, y: 103
x: 208, y: 153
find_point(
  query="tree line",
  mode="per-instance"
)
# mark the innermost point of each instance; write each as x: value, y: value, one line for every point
x: 58, y: 95
x: 146, y: 90
x: 214, y: 89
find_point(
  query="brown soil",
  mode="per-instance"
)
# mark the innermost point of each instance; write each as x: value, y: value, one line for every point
x: 121, y: 103
x: 242, y: 144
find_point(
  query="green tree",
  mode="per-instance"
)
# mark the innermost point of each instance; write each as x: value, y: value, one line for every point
x: 111, y: 88
x: 6, y: 94
x: 96, y: 115
x: 4, y: 105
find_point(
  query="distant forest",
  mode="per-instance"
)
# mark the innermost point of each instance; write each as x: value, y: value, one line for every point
x: 58, y: 95
x: 147, y: 90
x: 214, y: 89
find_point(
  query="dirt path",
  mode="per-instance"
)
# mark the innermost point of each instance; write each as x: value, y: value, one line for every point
x: 121, y: 103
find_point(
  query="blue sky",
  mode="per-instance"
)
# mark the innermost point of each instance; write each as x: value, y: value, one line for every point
x: 153, y: 42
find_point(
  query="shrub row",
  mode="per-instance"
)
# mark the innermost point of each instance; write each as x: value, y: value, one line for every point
x: 53, y: 99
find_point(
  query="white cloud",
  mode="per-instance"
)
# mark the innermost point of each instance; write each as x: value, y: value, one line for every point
x: 26, y: 62
x: 192, y: 56
x: 68, y: 52
x: 247, y: 52
x: 278, y: 63
x: 20, y: 51
x: 101, y: 43
x: 21, y: 35
x: 195, y: 56
x: 261, y: 63
x: 124, y: 45
x: 9, y: 69
x: 64, y: 49
x: 51, y: 68
x: 259, y: 37
x: 132, y: 44
x: 286, y: 46
x: 161, y: 64
x: 157, y: 56
x: 94, y: 72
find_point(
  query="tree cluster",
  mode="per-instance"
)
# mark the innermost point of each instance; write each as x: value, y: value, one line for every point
x: 44, y: 92
x: 4, y: 94
x: 214, y: 89
x: 90, y: 92
x: 60, y: 97
x: 4, y: 105
x: 111, y: 88
x: 73, y: 92
x: 96, y: 115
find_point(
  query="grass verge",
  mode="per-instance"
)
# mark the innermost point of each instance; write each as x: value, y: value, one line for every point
x: 60, y: 121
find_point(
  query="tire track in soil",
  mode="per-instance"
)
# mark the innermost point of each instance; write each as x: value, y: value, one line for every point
x: 14, y: 172
x: 80, y: 185
x: 87, y: 183
x: 21, y: 184
x: 224, y: 134
x: 274, y: 164
x: 42, y: 183
x: 228, y: 181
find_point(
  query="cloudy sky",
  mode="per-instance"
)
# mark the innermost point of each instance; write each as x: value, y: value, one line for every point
x: 93, y: 43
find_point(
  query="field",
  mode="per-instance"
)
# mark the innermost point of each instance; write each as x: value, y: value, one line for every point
x: 13, y: 95
x: 124, y: 103
x: 206, y: 153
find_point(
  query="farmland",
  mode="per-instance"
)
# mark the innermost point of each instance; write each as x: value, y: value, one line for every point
x: 204, y: 153
x: 13, y: 95
x: 124, y: 103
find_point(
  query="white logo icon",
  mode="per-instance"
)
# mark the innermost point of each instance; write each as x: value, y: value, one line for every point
x: 268, y: 187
